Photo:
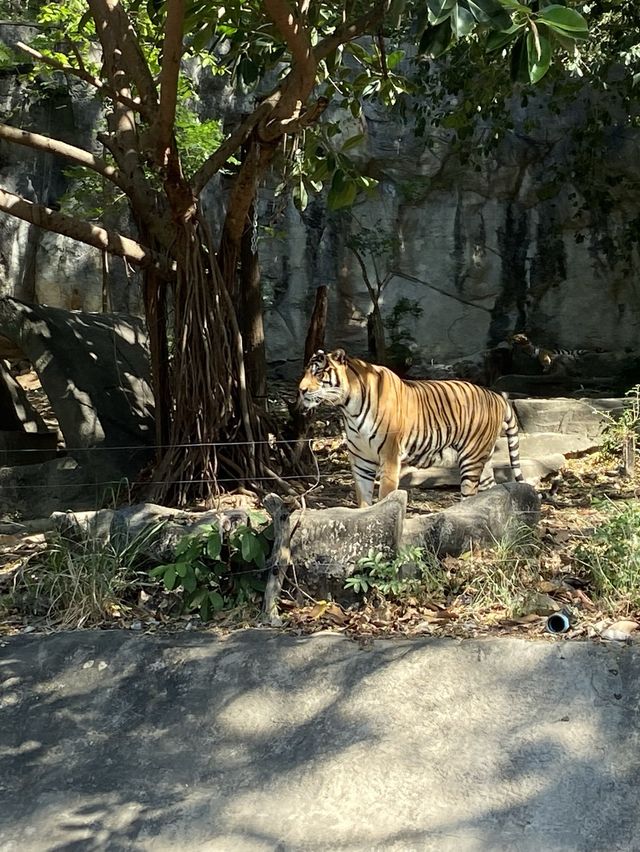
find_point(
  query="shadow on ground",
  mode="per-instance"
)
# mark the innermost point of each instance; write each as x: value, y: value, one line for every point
x: 263, y: 741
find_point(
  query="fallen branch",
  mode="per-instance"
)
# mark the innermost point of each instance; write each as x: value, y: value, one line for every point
x: 280, y: 556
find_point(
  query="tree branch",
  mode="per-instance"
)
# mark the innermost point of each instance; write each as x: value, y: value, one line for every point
x: 274, y: 129
x: 291, y: 28
x: 239, y: 136
x: 169, y: 72
x: 82, y: 74
x: 120, y: 47
x: 55, y: 146
x: 300, y: 81
x: 93, y: 235
x: 348, y: 31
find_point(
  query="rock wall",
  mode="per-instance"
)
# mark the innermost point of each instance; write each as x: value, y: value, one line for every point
x: 481, y: 252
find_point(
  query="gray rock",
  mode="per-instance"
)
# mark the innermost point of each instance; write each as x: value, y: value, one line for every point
x: 154, y: 530
x: 327, y: 543
x: 36, y: 490
x: 586, y: 417
x: 94, y: 369
x: 483, y: 519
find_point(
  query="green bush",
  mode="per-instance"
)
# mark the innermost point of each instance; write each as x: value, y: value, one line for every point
x: 611, y: 557
x: 412, y: 571
x: 619, y: 429
x: 214, y: 571
x: 79, y: 583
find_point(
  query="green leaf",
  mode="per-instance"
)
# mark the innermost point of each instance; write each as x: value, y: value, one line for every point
x: 189, y: 582
x: 181, y: 568
x: 214, y: 544
x: 246, y: 547
x: 300, y: 196
x: 352, y: 141
x: 490, y: 12
x: 538, y: 56
x: 561, y: 18
x: 462, y: 21
x: 440, y: 9
x: 343, y: 191
x: 496, y: 41
x: 394, y: 58
x: 197, y: 598
x: 170, y: 577
x: 436, y: 40
x: 216, y: 600
x: 158, y: 571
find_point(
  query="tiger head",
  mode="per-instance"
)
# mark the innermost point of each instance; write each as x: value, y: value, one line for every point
x: 325, y: 380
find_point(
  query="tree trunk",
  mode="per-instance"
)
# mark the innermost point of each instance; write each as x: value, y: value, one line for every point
x: 376, y: 335
x: 154, y: 290
x: 251, y: 318
x: 317, y: 324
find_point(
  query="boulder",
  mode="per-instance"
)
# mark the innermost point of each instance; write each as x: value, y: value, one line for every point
x: 586, y: 417
x: 36, y: 490
x: 95, y: 371
x: 326, y: 544
x: 483, y: 519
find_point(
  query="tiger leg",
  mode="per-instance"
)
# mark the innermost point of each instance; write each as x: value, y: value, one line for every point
x: 390, y: 475
x: 487, y: 479
x: 510, y: 428
x: 471, y: 472
x: 364, y: 477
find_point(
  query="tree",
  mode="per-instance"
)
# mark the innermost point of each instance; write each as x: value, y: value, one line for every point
x: 311, y: 54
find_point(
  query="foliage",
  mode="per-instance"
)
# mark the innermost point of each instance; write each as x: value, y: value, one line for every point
x: 214, y: 570
x: 401, y: 342
x: 414, y: 570
x: 612, y: 558
x: 500, y: 577
x: 503, y: 575
x: 471, y: 105
x: 378, y: 69
x: 79, y: 583
x: 619, y: 429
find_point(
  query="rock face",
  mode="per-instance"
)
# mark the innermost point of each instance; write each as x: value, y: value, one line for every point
x: 478, y: 254
x: 94, y: 369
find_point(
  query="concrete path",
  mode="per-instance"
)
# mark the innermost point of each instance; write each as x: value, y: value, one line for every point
x: 262, y: 741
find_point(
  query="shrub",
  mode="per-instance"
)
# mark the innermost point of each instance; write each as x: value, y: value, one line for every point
x: 213, y: 571
x: 80, y: 583
x: 611, y: 557
x: 619, y: 429
x: 413, y: 570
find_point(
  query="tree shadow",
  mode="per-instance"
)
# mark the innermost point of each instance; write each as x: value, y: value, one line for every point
x: 261, y: 740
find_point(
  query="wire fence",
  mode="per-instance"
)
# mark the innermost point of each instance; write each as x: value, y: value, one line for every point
x: 127, y: 483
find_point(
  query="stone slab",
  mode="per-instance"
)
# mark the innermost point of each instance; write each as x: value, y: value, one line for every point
x: 541, y: 454
x: 263, y: 742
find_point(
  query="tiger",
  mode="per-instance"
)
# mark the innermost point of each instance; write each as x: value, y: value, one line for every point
x: 390, y: 422
x: 546, y: 357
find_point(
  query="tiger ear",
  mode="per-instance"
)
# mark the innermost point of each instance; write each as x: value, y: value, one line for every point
x: 339, y: 355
